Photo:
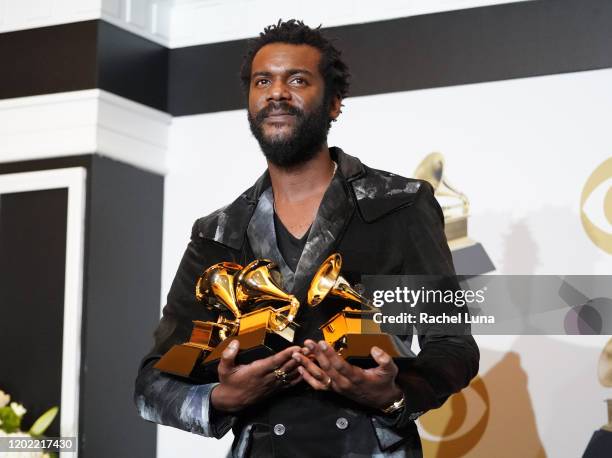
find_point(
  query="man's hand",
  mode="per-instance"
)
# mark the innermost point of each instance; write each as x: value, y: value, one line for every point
x: 374, y: 387
x: 243, y: 385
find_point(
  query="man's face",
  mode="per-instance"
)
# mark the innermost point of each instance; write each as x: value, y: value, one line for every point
x: 288, y: 113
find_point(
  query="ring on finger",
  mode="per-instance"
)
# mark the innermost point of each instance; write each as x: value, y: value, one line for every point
x: 281, y: 376
x: 327, y: 383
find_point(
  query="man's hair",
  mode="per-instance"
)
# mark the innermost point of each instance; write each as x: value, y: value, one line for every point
x: 335, y: 72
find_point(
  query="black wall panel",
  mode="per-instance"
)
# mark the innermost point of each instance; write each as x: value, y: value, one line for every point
x: 121, y: 296
x: 132, y: 66
x: 491, y: 43
x: 48, y: 59
x: 32, y: 260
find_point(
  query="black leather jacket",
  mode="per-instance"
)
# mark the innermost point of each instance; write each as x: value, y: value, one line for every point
x: 381, y: 223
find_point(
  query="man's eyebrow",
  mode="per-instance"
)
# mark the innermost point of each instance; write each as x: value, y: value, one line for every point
x: 291, y: 71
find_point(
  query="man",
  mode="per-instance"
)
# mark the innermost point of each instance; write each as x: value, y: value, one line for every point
x: 312, y: 201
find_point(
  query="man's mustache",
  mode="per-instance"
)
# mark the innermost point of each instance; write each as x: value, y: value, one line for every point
x: 277, y: 106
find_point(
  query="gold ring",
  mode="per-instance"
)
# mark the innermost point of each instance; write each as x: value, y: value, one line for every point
x: 328, y: 383
x: 281, y: 375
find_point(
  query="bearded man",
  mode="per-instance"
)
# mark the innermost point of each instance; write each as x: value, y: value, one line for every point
x: 311, y: 201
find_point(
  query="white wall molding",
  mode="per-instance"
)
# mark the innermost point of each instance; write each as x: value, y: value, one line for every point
x: 30, y: 14
x: 81, y: 122
x: 147, y: 18
x: 194, y: 22
x: 178, y: 23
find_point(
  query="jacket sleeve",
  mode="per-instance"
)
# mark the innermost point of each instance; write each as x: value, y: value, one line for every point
x: 165, y: 399
x: 449, y: 357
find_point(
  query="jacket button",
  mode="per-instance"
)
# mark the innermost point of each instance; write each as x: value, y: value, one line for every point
x: 342, y: 423
x: 279, y: 429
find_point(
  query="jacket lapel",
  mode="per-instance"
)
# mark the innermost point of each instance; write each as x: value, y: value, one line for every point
x: 250, y: 217
x: 335, y: 211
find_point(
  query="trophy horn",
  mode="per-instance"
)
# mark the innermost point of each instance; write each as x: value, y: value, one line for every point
x: 328, y: 281
x: 257, y: 283
x: 605, y: 365
x: 216, y: 286
x: 431, y: 169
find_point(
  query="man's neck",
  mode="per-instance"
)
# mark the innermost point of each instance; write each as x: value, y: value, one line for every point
x: 298, y: 191
x: 304, y: 181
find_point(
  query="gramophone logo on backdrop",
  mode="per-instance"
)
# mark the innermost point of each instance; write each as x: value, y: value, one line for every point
x: 596, y: 206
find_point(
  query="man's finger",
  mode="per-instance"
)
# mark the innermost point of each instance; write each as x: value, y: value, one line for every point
x: 290, y: 366
x: 228, y: 358
x: 312, y: 381
x: 271, y: 363
x: 339, y: 365
x: 311, y: 368
x: 280, y: 358
x: 386, y: 365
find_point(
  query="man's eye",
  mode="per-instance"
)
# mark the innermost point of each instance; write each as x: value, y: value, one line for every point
x: 261, y: 82
x: 298, y: 81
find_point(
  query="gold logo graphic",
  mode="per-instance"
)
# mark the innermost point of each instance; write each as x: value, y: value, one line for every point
x: 596, y: 206
x: 445, y: 428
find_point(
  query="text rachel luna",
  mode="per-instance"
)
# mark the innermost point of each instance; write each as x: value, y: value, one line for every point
x: 426, y: 318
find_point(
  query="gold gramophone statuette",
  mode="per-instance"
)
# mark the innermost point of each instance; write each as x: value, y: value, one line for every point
x: 264, y: 329
x: 352, y: 332
x: 605, y: 378
x: 215, y: 287
x: 245, y: 298
x: 455, y: 205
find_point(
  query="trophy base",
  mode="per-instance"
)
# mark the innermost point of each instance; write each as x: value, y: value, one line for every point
x: 355, y: 349
x: 182, y: 359
x: 256, y: 344
x: 470, y: 258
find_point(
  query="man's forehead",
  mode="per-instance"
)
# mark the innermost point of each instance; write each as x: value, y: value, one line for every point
x: 278, y: 57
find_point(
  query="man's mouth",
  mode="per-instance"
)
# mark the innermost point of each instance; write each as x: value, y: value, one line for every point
x: 279, y: 117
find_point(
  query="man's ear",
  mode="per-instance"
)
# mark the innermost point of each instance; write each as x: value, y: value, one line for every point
x: 335, y: 107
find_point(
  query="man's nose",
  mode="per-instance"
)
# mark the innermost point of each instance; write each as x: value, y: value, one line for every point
x: 278, y: 91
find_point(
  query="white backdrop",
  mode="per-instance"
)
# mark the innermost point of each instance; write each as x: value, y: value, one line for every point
x: 521, y: 150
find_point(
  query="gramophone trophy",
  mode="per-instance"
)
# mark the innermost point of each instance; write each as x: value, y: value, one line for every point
x: 470, y: 257
x: 601, y: 441
x: 352, y: 332
x: 262, y: 330
x: 216, y: 287
x: 605, y: 378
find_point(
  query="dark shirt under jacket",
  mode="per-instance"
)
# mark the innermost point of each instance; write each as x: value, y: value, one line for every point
x: 289, y: 246
x: 380, y: 223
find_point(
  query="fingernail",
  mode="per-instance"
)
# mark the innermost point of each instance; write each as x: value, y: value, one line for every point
x: 296, y: 356
x: 305, y: 351
x: 310, y: 345
x: 301, y: 370
x: 323, y: 345
x: 233, y: 345
x: 376, y: 351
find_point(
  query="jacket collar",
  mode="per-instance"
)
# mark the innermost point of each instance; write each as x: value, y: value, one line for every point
x: 229, y: 224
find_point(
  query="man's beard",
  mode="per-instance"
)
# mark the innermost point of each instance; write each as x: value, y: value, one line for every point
x: 308, y: 135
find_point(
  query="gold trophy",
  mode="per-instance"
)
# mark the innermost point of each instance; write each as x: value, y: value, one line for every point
x: 352, y: 332
x: 469, y: 256
x: 262, y: 331
x: 216, y: 288
x: 605, y: 378
x: 455, y: 205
